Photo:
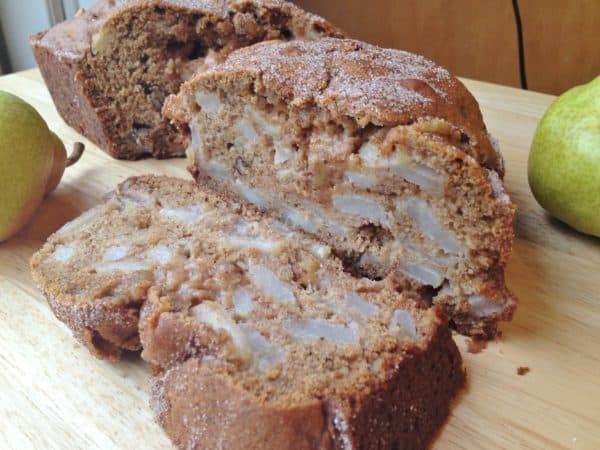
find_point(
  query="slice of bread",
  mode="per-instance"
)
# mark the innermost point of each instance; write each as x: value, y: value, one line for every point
x: 110, y: 68
x: 356, y: 367
x: 380, y: 153
x: 266, y: 342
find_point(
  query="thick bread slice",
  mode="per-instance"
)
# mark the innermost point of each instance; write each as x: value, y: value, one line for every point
x: 96, y: 270
x: 379, y: 152
x: 110, y: 68
x: 287, y: 351
x: 399, y: 404
x: 266, y: 342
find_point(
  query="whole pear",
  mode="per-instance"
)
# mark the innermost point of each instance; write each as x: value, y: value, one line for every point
x: 32, y: 160
x: 564, y: 161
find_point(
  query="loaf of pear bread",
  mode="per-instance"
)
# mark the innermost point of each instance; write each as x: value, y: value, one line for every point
x: 380, y: 153
x: 264, y: 340
x: 110, y: 67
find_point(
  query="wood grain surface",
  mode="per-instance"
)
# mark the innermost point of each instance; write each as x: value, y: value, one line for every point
x: 54, y: 394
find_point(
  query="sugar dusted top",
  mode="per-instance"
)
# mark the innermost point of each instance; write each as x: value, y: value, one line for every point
x: 384, y: 87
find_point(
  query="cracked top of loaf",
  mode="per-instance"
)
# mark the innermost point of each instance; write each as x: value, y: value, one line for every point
x: 375, y: 85
x: 74, y: 37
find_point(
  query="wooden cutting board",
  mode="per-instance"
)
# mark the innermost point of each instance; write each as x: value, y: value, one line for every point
x: 54, y: 394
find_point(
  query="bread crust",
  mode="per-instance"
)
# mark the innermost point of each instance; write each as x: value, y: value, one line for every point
x: 221, y: 415
x: 105, y: 329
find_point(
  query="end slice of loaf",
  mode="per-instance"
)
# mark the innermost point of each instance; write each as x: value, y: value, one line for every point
x: 295, y: 377
x: 266, y: 342
x: 110, y: 68
x: 379, y: 152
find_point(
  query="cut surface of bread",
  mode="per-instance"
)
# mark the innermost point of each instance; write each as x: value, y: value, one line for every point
x: 287, y: 351
x: 110, y: 68
x: 380, y: 153
x: 266, y: 342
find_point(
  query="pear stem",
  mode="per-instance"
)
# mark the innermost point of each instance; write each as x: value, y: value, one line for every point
x: 78, y: 149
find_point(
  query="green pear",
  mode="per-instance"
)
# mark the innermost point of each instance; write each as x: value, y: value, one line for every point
x: 564, y: 161
x: 32, y: 161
